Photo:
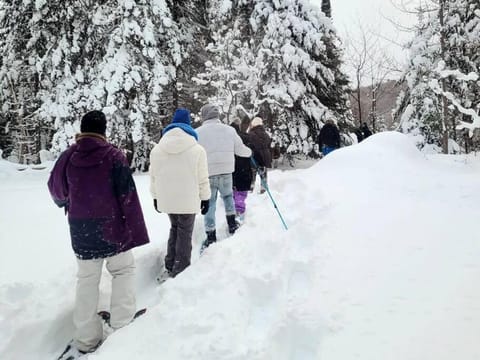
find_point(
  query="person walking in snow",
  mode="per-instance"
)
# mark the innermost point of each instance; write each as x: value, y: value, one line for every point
x: 329, y: 137
x: 260, y: 141
x: 242, y: 177
x: 91, y: 180
x: 359, y: 134
x: 365, y: 130
x: 221, y: 143
x: 179, y: 186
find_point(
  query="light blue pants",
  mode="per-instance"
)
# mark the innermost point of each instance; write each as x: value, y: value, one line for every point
x: 224, y: 184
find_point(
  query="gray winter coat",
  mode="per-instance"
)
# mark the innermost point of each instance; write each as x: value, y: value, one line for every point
x: 222, y: 143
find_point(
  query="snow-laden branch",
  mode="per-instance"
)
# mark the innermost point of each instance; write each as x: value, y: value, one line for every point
x: 444, y: 73
x: 435, y: 86
x: 457, y: 74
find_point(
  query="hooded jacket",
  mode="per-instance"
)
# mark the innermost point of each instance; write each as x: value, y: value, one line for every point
x: 179, y: 173
x: 329, y: 136
x: 222, y: 143
x: 93, y: 181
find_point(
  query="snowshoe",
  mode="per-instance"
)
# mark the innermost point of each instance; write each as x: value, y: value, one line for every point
x: 105, y: 315
x: 69, y: 353
x: 72, y: 353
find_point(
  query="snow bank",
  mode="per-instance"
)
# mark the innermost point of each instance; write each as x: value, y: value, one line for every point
x: 380, y: 262
x: 6, y: 168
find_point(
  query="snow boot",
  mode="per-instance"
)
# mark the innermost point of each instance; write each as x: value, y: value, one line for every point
x: 211, y: 238
x: 164, y: 276
x: 240, y: 219
x: 232, y: 224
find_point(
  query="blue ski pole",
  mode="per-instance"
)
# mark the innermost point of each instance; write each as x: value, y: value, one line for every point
x: 264, y: 184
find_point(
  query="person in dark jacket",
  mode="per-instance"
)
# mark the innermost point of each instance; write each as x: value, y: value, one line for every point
x: 365, y: 130
x: 359, y: 135
x: 242, y: 177
x: 329, y: 137
x: 260, y: 142
x: 91, y: 180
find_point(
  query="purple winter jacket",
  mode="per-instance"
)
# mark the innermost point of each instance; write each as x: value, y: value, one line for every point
x: 93, y: 181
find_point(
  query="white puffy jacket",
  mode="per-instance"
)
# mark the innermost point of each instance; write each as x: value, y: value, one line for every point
x: 222, y: 143
x: 178, y: 173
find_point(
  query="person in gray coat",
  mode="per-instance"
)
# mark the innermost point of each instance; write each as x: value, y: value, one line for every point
x: 222, y: 143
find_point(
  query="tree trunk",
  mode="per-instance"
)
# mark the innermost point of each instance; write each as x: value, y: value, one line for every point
x: 374, y: 108
x: 327, y: 8
x: 359, y: 99
x: 444, y: 116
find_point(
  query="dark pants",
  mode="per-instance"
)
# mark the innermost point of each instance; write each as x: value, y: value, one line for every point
x: 179, y: 248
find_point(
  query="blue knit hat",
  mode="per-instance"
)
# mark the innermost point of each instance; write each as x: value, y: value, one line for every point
x: 181, y: 119
x: 181, y: 116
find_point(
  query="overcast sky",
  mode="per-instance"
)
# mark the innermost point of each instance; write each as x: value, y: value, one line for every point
x: 373, y: 14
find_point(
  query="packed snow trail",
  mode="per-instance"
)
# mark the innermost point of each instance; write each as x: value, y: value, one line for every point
x: 380, y: 262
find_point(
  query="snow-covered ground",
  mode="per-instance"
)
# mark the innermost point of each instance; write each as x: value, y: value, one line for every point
x: 381, y: 261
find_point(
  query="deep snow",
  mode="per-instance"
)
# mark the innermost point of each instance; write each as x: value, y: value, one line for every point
x: 381, y: 261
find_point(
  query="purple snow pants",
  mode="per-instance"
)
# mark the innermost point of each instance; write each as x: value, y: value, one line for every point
x: 239, y: 197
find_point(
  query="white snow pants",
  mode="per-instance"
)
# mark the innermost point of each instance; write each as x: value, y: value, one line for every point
x: 88, y: 325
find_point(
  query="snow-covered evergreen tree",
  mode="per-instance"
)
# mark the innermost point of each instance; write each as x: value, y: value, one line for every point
x: 461, y: 66
x: 118, y: 56
x: 440, y: 74
x: 190, y: 17
x: 20, y: 85
x: 419, y: 107
x: 139, y: 59
x: 127, y: 53
x: 279, y: 60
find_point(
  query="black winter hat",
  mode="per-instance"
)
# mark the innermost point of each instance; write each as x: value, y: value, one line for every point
x: 94, y: 122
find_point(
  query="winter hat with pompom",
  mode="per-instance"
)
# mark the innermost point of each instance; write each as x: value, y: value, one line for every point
x: 94, y: 122
x: 257, y: 121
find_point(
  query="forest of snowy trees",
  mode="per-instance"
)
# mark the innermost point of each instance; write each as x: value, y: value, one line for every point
x: 138, y: 60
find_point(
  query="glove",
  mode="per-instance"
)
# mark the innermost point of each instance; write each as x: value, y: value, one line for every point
x: 204, y: 205
x: 155, y: 206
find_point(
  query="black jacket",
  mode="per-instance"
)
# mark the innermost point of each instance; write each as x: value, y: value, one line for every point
x: 366, y: 131
x: 359, y: 134
x: 242, y: 176
x: 329, y: 136
x: 261, y: 146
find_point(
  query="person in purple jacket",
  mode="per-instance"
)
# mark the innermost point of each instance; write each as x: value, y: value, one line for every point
x: 92, y: 181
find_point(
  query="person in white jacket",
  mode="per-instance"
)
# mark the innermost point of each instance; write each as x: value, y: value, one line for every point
x: 179, y: 186
x: 221, y: 143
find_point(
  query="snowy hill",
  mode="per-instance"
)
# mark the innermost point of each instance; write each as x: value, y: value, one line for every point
x: 380, y: 262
